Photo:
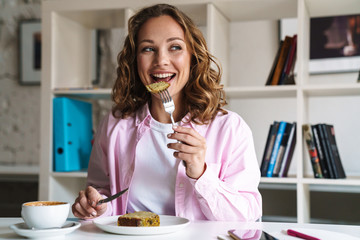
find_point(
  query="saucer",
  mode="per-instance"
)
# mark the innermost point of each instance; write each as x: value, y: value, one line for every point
x: 23, y: 230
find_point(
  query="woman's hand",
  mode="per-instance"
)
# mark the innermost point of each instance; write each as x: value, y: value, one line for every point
x: 85, y: 204
x: 191, y: 149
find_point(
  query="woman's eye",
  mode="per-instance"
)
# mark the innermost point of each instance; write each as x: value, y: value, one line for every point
x: 147, y: 49
x: 175, y: 47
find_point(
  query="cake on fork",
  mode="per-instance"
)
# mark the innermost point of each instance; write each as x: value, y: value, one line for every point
x: 157, y: 87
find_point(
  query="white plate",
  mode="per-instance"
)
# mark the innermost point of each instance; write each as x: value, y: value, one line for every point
x: 23, y: 230
x: 168, y: 224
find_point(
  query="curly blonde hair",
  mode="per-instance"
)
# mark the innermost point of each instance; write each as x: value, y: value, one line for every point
x: 203, y: 95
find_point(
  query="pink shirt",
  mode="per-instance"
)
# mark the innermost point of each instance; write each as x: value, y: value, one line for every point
x: 228, y: 189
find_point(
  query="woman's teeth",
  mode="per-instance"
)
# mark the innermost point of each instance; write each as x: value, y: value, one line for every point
x: 163, y: 76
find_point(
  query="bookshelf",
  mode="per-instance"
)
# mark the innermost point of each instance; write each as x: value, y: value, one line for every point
x: 243, y: 35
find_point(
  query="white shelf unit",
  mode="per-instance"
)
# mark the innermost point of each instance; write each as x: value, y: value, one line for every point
x: 243, y: 36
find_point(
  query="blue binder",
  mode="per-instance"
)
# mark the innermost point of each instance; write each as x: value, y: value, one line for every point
x: 72, y: 132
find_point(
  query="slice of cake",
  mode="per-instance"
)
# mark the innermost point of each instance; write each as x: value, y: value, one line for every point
x: 157, y: 87
x: 139, y: 219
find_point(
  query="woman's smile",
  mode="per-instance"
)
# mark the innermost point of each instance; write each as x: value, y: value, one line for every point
x: 166, y: 77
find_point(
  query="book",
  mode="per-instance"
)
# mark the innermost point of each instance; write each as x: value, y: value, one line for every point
x: 281, y: 60
x: 268, y: 148
x: 288, y: 73
x: 292, y: 55
x: 323, y: 145
x: 320, y: 151
x: 72, y: 134
x: 286, y: 64
x: 338, y: 168
x: 329, y: 150
x: 272, y: 69
x: 280, y: 155
x: 314, y: 159
x: 275, y: 151
x: 289, y: 151
x: 264, y: 164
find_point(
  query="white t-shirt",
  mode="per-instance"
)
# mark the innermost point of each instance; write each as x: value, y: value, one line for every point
x: 153, y: 184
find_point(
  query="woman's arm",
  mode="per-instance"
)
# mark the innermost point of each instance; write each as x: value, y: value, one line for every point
x: 191, y: 148
x: 97, y: 179
x: 228, y: 189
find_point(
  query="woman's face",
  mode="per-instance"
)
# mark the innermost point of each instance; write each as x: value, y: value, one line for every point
x: 162, y: 53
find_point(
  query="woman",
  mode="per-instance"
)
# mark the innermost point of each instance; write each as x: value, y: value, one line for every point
x: 137, y: 147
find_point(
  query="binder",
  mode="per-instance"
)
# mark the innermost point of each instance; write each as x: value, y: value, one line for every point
x: 72, y: 134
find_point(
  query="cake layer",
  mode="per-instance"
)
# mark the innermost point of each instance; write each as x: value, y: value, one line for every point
x: 139, y: 219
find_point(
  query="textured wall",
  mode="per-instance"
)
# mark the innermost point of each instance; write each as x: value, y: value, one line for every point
x: 19, y: 105
x: 109, y: 43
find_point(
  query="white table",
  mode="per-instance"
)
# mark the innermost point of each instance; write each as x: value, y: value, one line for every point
x: 197, y: 230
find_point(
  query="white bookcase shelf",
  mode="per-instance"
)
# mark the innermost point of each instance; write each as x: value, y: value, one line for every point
x: 288, y: 180
x: 100, y: 93
x: 243, y: 35
x: 69, y: 174
x: 332, y: 90
x: 261, y: 92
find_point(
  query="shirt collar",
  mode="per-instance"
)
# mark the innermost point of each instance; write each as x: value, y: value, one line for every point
x: 143, y: 116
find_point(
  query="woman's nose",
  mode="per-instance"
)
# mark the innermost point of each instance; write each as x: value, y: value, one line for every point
x: 162, y: 58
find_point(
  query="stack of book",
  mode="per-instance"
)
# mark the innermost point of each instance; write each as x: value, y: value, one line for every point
x: 323, y: 151
x: 282, y: 70
x: 279, y: 149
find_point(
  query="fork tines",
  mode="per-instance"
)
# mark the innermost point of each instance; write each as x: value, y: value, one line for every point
x: 165, y: 96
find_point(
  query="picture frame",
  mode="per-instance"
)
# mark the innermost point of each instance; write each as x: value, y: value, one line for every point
x: 30, y: 52
x: 330, y: 50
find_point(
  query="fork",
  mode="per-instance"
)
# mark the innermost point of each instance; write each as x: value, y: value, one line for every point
x: 168, y: 104
x: 169, y: 107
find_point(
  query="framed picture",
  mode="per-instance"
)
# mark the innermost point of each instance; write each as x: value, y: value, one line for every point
x: 334, y: 43
x: 30, y: 52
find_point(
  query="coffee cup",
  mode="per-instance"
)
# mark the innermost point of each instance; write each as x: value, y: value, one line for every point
x: 45, y: 214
